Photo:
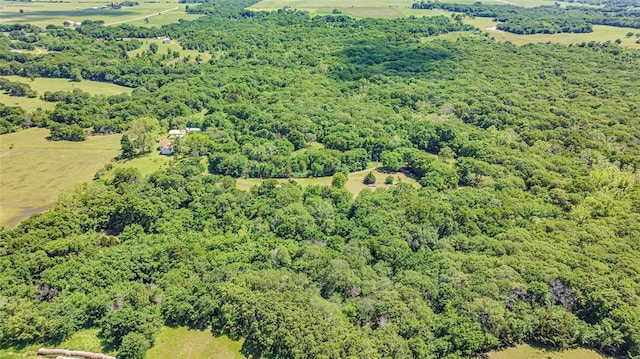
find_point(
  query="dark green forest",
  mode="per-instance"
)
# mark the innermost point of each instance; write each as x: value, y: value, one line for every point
x: 525, y: 229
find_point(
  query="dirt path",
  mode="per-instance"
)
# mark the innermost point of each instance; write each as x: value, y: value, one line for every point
x: 142, y: 17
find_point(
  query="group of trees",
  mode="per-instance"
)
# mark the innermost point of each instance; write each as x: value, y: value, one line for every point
x: 544, y: 19
x: 525, y: 229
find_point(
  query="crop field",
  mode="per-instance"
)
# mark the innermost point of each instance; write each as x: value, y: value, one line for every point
x: 173, y: 46
x: 531, y: 352
x: 376, y: 8
x: 354, y: 180
x: 56, y: 13
x: 34, y: 171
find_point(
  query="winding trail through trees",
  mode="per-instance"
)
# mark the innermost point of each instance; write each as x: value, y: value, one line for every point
x: 142, y: 17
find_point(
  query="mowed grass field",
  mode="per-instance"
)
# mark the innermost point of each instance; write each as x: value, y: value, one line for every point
x: 530, y: 352
x: 56, y: 13
x: 34, y: 171
x: 354, y: 180
x: 40, y: 85
x: 170, y: 343
x: 193, y: 344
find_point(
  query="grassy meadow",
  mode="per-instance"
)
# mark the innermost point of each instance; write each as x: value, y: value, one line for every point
x: 173, y: 46
x: 354, y: 180
x: 527, y: 351
x: 194, y: 344
x: 44, y: 13
x: 33, y: 170
x: 40, y: 85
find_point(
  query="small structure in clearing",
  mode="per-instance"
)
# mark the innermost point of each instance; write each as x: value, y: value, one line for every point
x: 166, y: 147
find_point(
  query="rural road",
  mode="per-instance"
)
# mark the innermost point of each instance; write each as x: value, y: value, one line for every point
x: 142, y: 17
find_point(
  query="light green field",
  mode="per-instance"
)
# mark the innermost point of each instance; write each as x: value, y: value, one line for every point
x: 193, y: 344
x: 173, y: 46
x: 146, y: 164
x: 28, y: 104
x: 354, y: 180
x: 34, y: 171
x: 600, y: 34
x: 375, y: 8
x: 45, y: 13
x: 530, y: 352
x: 41, y: 84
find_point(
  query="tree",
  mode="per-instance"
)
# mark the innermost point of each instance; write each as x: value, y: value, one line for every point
x: 128, y: 149
x: 369, y: 179
x: 153, y: 47
x: 388, y: 179
x: 339, y: 180
x: 134, y: 346
x: 143, y: 132
x: 391, y: 161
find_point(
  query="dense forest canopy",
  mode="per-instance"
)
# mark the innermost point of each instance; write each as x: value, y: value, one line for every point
x: 526, y: 228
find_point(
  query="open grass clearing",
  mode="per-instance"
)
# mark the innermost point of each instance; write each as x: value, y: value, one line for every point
x: 600, y: 34
x: 354, y: 180
x: 45, y: 13
x: 34, y: 171
x: 146, y: 164
x: 527, y: 351
x: 27, y: 104
x: 172, y: 46
x: 42, y: 84
x: 182, y: 342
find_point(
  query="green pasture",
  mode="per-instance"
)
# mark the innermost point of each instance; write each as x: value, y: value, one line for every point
x: 45, y: 13
x: 173, y: 46
x: 146, y: 164
x: 194, y: 344
x: 354, y: 180
x: 527, y: 351
x: 41, y: 84
x: 34, y: 171
x: 600, y: 34
x: 28, y: 104
x: 375, y: 8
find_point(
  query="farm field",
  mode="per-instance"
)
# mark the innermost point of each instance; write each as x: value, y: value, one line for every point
x: 376, y: 8
x: 527, y: 351
x: 34, y: 171
x: 354, y: 180
x: 45, y: 13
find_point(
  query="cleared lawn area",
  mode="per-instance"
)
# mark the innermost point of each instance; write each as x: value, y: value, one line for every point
x: 33, y: 170
x: 146, y: 164
x: 193, y: 344
x: 173, y: 46
x: 45, y: 13
x: 354, y: 180
x: 42, y: 84
x: 527, y: 351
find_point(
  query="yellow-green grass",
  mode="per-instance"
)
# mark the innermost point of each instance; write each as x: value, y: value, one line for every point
x: 193, y: 344
x: 146, y: 164
x: 34, y: 171
x: 28, y: 104
x: 372, y: 8
x: 600, y: 34
x: 165, y: 18
x: 531, y: 352
x: 41, y: 84
x: 173, y: 46
x: 354, y: 180
x: 46, y: 13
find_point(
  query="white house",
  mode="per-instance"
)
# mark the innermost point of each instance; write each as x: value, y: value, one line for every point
x: 177, y: 133
x: 166, y: 147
